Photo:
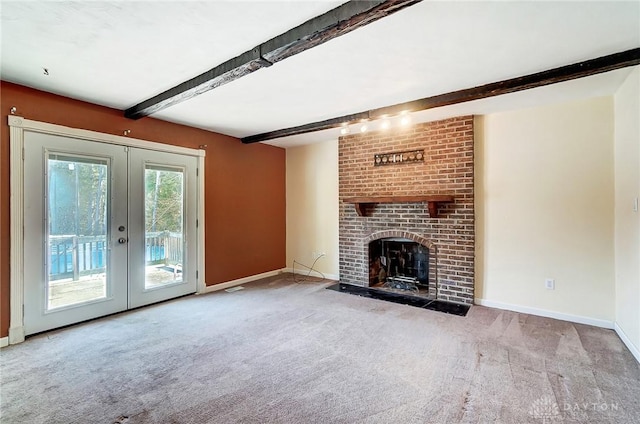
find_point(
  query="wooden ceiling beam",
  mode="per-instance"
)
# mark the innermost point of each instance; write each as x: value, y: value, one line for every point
x: 539, y: 79
x: 332, y: 24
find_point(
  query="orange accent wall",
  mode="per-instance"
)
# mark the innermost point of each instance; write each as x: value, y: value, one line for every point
x: 244, y: 185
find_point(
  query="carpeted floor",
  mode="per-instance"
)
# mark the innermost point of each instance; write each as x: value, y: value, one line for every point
x: 282, y: 352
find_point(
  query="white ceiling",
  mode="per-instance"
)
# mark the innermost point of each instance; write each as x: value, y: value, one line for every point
x: 120, y: 53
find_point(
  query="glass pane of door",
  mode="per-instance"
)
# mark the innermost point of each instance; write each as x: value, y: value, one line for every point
x: 162, y: 228
x: 75, y: 214
x: 78, y: 199
x: 164, y: 225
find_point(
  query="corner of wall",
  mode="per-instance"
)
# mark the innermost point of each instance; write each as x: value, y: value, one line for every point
x: 627, y: 220
x: 479, y: 183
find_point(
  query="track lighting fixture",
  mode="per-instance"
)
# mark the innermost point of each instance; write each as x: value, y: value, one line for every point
x: 383, y: 122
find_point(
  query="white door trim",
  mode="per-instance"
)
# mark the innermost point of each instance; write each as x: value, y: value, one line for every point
x: 16, y: 322
x: 18, y: 125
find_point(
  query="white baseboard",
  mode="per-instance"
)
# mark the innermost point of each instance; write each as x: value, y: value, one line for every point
x: 635, y: 350
x: 314, y: 273
x: 4, y: 342
x: 545, y: 313
x: 239, y: 281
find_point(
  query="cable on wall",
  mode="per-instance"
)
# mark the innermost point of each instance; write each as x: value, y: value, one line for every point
x: 311, y: 269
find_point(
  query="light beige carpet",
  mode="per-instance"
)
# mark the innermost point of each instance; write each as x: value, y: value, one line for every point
x: 282, y: 352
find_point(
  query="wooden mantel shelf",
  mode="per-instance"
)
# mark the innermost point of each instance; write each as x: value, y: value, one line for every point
x: 363, y: 204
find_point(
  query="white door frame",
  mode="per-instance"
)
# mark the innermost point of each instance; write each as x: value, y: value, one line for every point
x: 18, y: 125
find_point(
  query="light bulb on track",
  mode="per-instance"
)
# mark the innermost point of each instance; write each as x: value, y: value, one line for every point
x: 405, y: 118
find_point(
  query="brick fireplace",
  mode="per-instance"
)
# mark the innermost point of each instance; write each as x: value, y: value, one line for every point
x: 445, y: 228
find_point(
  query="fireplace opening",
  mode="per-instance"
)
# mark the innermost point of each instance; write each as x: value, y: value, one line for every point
x: 402, y: 266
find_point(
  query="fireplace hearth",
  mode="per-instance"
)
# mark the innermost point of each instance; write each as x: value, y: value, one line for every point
x: 418, y: 302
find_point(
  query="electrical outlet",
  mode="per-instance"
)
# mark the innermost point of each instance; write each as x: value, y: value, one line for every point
x: 550, y: 283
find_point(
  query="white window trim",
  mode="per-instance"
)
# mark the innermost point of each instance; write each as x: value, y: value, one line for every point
x: 18, y: 125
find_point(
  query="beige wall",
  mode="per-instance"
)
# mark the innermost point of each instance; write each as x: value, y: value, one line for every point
x: 627, y: 226
x: 544, y: 209
x: 312, y: 206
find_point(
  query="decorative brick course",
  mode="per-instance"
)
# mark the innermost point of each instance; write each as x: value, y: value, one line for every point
x: 447, y: 169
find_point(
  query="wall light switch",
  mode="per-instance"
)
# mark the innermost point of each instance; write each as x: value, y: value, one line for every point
x: 550, y: 283
x: 635, y: 204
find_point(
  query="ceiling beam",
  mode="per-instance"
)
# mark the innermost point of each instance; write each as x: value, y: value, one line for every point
x: 334, y: 23
x: 552, y: 76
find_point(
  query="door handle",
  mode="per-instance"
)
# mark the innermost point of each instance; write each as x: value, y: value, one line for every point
x: 122, y: 240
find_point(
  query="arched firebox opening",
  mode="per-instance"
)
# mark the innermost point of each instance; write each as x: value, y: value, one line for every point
x: 404, y: 263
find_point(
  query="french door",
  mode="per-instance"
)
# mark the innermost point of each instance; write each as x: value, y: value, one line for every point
x: 106, y: 228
